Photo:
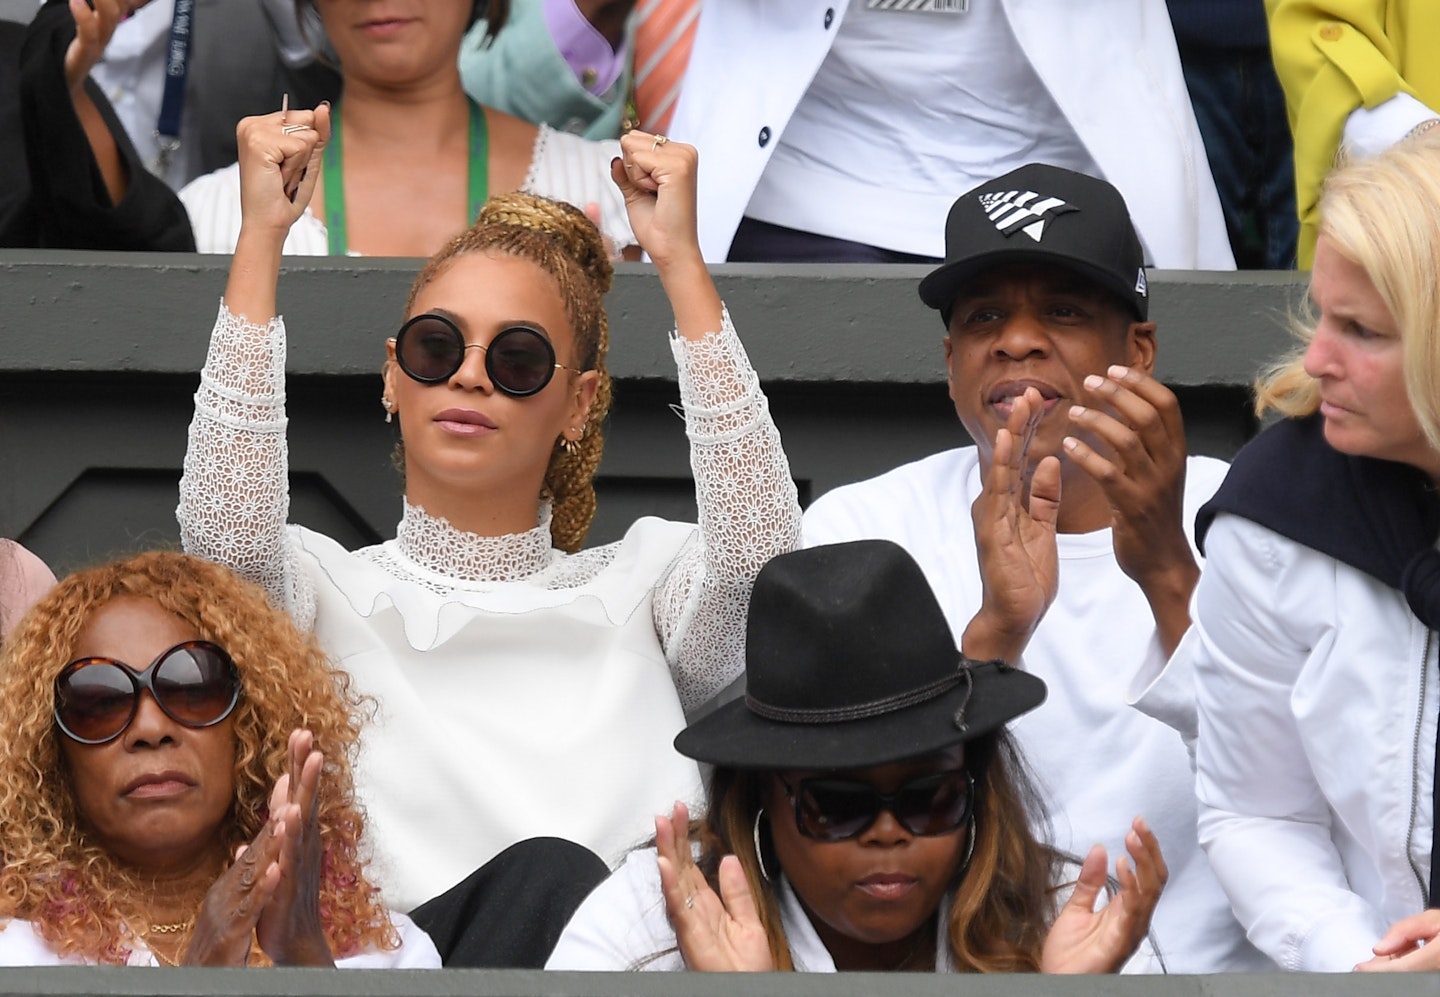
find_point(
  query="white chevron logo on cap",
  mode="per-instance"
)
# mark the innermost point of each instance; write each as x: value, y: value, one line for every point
x: 1022, y: 211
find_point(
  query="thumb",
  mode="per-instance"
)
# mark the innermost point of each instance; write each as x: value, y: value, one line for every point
x: 1090, y: 882
x: 1045, y: 492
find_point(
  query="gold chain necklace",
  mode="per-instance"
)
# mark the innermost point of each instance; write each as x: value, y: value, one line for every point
x: 174, y: 928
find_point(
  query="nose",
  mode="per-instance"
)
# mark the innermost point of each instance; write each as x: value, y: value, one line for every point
x: 885, y: 830
x: 1321, y: 357
x: 1021, y: 336
x: 151, y: 726
x: 471, y: 372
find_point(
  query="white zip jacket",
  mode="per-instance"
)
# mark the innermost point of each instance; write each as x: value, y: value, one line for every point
x: 1316, y: 690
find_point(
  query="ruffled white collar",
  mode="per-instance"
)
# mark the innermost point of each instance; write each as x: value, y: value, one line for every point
x: 435, y: 545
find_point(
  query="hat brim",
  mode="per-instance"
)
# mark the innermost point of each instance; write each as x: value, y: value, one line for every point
x: 736, y: 737
x: 939, y: 288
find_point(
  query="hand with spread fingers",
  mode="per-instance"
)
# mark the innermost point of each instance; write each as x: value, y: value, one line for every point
x: 1086, y: 940
x: 225, y: 925
x: 280, y: 163
x: 1138, y: 421
x: 289, y: 929
x: 1015, y: 523
x: 1409, y: 946
x: 715, y: 933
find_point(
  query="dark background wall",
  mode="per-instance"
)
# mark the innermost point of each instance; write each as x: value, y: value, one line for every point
x: 102, y: 352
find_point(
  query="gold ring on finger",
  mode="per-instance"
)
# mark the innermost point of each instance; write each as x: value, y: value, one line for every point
x: 659, y: 141
x: 292, y: 129
x: 690, y: 901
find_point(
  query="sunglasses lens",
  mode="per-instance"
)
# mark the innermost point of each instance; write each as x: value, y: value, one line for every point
x: 196, y: 685
x: 520, y: 361
x: 934, y: 805
x: 94, y: 701
x: 837, y: 809
x: 833, y: 809
x: 429, y: 349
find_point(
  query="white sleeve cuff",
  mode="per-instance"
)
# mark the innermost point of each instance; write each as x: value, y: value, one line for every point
x: 1371, y: 130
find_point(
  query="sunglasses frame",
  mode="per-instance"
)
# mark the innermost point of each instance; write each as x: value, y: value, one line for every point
x: 144, y: 681
x: 483, y: 348
x: 887, y: 801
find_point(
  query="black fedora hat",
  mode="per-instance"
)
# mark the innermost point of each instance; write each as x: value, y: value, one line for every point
x: 850, y: 663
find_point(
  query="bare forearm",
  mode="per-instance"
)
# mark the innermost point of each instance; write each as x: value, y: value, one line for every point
x: 254, y: 274
x: 692, y: 295
x: 102, y: 145
x: 1169, y: 597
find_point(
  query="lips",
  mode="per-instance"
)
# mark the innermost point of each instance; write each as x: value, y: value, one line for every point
x: 887, y: 885
x: 465, y: 422
x: 153, y: 785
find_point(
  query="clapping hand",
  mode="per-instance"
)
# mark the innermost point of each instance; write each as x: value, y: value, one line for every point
x: 1084, y: 940
x: 715, y: 933
x: 1015, y: 539
x: 289, y: 928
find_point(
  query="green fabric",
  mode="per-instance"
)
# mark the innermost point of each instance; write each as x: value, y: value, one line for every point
x: 523, y: 74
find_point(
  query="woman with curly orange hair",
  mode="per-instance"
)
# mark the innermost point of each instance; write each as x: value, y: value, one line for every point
x: 194, y: 800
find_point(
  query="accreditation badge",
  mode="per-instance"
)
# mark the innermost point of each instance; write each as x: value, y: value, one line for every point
x: 921, y: 6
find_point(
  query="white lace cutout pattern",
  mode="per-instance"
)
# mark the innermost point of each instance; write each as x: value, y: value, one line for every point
x: 748, y: 513
x: 234, y: 492
x: 234, y: 500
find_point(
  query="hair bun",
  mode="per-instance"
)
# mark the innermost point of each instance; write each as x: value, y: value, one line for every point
x: 560, y: 221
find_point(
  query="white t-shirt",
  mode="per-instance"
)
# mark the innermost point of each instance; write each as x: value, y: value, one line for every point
x: 1098, y: 762
x: 909, y: 110
x: 22, y: 945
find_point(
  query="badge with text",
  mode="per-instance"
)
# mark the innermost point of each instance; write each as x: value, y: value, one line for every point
x: 921, y: 6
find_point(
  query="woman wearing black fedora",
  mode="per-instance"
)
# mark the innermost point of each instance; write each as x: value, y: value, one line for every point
x: 867, y: 810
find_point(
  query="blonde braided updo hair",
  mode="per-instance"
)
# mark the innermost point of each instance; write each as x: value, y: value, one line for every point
x: 559, y: 239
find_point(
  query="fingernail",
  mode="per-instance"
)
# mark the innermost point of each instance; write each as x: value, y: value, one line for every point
x: 1118, y: 371
x: 1077, y: 410
x: 1094, y: 381
x: 1070, y: 443
x: 323, y: 103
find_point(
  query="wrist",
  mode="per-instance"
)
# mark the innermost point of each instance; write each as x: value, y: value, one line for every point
x: 985, y: 640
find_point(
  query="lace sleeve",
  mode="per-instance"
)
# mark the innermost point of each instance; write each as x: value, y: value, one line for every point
x: 748, y: 514
x: 234, y: 492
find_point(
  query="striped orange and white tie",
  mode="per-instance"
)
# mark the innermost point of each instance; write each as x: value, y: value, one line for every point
x: 664, y: 34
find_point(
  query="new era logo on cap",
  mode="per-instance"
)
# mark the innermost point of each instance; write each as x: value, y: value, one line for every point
x: 1022, y: 211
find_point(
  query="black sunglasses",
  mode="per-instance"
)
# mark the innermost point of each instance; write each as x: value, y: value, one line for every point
x: 195, y: 683
x: 520, y: 361
x: 838, y: 809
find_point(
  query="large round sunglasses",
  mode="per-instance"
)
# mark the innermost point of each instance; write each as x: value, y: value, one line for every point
x: 519, y: 361
x: 829, y: 809
x: 195, y: 683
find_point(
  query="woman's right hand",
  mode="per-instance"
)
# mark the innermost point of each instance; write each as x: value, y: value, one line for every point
x: 714, y: 935
x: 278, y: 171
x: 232, y: 907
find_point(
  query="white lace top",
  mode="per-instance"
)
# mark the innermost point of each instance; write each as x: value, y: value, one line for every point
x: 520, y: 690
x: 562, y: 166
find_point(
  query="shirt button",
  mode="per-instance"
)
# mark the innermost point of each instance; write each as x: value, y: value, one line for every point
x: 1331, y: 32
x: 764, y: 136
x: 829, y: 17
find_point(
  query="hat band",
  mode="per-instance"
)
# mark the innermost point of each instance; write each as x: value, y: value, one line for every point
x: 859, y: 711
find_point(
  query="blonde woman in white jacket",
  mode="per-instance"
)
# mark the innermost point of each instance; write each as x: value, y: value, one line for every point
x: 1313, y: 649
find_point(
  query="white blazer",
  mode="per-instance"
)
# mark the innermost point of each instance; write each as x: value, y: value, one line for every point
x: 1110, y: 65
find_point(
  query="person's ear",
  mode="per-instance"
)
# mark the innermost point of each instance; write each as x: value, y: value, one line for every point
x: 1140, y: 346
x: 582, y: 397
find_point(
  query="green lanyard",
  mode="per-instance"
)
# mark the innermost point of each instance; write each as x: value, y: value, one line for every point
x: 335, y: 177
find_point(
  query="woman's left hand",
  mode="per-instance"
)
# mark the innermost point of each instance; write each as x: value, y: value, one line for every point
x: 1085, y: 940
x: 657, y: 177
x: 289, y: 930
x: 714, y: 935
x: 1408, y: 947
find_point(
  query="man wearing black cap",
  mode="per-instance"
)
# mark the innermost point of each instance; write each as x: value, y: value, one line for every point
x: 1043, y: 290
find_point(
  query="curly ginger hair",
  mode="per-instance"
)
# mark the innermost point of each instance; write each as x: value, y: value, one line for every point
x: 53, y: 874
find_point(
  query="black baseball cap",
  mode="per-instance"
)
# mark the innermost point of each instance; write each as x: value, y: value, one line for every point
x: 1041, y: 214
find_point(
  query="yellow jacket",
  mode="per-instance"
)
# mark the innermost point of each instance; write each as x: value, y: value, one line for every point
x: 1333, y: 56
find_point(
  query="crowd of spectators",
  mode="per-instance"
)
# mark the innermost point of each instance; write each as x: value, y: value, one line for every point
x: 977, y: 684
